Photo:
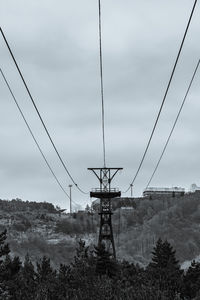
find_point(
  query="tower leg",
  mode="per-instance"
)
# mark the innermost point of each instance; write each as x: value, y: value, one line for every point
x: 106, y: 231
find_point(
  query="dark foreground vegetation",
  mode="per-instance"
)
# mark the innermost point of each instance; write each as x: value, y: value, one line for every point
x: 93, y: 274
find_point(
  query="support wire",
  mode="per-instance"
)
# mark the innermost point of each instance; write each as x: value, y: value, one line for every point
x: 166, y: 144
x: 102, y: 87
x: 38, y: 113
x: 164, y: 98
x: 33, y: 136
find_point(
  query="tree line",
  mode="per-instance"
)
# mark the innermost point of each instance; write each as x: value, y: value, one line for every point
x: 19, y: 205
x: 94, y: 274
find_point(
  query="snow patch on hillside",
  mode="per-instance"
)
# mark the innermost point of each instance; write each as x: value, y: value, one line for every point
x: 186, y: 264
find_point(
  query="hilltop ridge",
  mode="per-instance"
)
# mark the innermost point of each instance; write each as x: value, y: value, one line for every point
x: 41, y: 229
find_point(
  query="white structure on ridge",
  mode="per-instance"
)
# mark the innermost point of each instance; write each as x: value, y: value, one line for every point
x: 173, y: 191
x: 194, y: 188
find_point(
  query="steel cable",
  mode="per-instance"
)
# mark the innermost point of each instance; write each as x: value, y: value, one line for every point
x: 33, y: 136
x: 164, y: 98
x: 38, y: 113
x: 166, y: 144
x: 102, y: 88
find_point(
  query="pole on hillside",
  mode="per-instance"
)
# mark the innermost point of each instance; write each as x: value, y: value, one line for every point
x: 131, y: 189
x: 70, y: 196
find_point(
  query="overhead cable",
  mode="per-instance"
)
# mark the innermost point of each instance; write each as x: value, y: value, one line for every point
x: 164, y: 98
x: 166, y: 144
x: 38, y: 113
x: 33, y: 136
x: 102, y: 88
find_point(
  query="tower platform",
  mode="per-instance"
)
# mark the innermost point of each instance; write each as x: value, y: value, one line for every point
x: 99, y: 193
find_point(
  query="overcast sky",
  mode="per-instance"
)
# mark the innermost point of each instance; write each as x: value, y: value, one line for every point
x: 56, y: 46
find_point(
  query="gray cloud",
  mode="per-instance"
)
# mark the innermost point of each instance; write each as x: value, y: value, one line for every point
x: 56, y: 46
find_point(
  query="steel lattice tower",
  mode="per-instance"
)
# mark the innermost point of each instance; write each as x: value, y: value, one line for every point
x: 105, y: 193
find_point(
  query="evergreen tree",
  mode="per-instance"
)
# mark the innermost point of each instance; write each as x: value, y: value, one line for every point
x: 4, y: 248
x: 83, y: 267
x: 132, y: 275
x: 105, y: 264
x: 164, y: 256
x: 9, y: 273
x: 87, y: 209
x: 84, y: 259
x: 191, y: 281
x: 64, y: 277
x: 81, y: 251
x: 27, y: 277
x: 46, y: 280
x: 164, y: 269
x: 4, y: 251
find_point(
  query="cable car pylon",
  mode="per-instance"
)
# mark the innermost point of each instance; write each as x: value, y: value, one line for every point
x: 105, y: 193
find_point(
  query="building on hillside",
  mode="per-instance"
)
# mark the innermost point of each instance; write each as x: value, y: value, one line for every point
x: 194, y: 188
x: 81, y: 212
x: 173, y: 191
x: 127, y: 208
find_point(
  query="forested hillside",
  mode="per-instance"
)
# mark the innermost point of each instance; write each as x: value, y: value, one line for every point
x: 174, y: 219
x: 41, y: 229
